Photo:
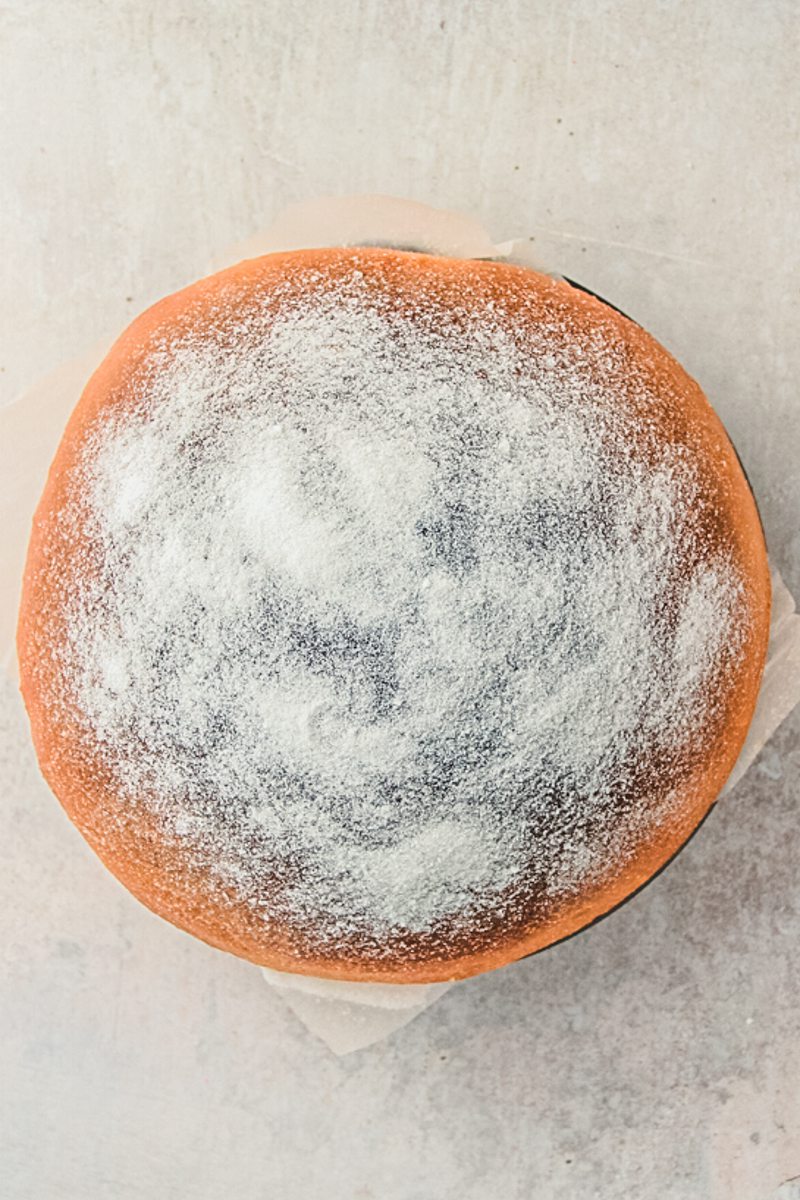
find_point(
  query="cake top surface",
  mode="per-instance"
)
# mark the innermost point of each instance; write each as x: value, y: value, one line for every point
x: 402, y: 611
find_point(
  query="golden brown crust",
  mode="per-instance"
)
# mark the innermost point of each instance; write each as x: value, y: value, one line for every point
x: 129, y: 840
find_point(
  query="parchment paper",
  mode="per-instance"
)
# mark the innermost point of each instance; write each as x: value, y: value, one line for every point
x: 346, y: 1016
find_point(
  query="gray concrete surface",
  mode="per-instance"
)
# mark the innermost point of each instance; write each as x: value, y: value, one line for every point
x: 652, y: 151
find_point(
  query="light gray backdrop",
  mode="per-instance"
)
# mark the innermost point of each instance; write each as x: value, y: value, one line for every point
x: 651, y: 149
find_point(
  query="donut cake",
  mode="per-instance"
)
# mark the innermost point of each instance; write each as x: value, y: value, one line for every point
x: 389, y: 617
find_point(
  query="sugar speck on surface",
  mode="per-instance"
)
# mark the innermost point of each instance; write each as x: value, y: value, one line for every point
x: 388, y: 616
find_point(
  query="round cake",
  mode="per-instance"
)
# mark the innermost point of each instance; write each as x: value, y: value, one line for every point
x: 389, y: 617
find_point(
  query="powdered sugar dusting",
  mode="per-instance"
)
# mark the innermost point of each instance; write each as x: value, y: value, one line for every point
x: 389, y: 615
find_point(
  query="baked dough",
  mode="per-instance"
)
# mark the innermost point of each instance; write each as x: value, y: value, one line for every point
x: 389, y: 617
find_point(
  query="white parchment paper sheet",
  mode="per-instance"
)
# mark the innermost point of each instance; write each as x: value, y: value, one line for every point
x: 346, y: 1016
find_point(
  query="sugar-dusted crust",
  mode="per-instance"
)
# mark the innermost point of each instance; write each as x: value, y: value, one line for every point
x: 511, y: 590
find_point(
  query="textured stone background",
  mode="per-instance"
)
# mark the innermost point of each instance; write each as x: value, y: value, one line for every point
x: 652, y: 151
